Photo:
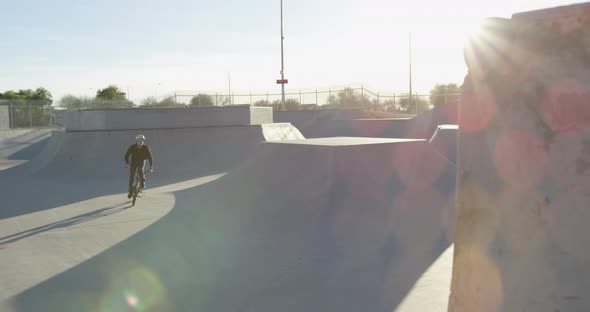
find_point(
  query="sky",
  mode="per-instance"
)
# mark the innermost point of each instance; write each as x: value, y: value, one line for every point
x: 157, y: 48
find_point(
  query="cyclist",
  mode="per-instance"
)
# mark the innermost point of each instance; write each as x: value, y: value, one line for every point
x: 135, y: 158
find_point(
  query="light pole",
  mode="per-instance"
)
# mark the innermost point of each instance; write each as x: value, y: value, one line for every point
x: 229, y: 88
x: 410, y: 52
x: 159, y: 83
x: 282, y: 61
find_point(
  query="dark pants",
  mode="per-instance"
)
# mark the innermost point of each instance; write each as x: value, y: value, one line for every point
x: 136, y: 167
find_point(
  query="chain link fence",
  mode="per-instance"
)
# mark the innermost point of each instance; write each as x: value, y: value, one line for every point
x: 360, y: 97
x: 28, y: 114
x: 383, y: 104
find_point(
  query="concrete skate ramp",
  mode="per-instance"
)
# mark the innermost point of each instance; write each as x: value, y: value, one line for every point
x: 313, y: 124
x: 76, y: 166
x: 444, y: 141
x: 22, y: 144
x: 167, y: 118
x: 345, y: 224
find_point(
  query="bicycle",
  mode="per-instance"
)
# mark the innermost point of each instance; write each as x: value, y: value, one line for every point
x: 136, y: 188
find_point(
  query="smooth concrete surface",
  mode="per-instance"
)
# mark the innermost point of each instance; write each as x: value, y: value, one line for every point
x: 300, y: 118
x: 166, y: 118
x: 40, y: 245
x: 346, y: 141
x: 4, y: 117
x: 356, y: 123
x: 324, y: 226
x: 180, y: 153
x: 523, y: 198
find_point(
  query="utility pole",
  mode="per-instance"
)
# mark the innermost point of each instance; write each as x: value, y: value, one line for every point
x: 410, y: 48
x: 282, y: 62
x: 229, y: 87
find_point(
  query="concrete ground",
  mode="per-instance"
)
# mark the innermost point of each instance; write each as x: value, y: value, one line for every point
x: 343, y: 224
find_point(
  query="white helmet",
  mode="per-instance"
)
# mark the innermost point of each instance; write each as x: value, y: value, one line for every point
x: 140, y: 137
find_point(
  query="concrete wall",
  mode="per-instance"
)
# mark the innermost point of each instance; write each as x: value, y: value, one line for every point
x: 523, y: 198
x: 4, y: 117
x: 183, y: 153
x: 166, y: 118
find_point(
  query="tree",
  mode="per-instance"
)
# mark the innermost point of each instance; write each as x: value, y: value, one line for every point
x: 27, y: 107
x: 110, y: 97
x: 201, y: 100
x: 417, y: 105
x: 262, y: 103
x: 111, y: 92
x: 72, y: 102
x: 444, y: 93
x: 290, y: 104
x: 222, y: 100
x: 149, y: 102
x: 41, y: 94
x: 152, y: 102
x: 276, y: 105
x: 348, y: 98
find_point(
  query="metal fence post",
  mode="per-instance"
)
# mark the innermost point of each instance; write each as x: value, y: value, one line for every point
x: 316, y: 97
x: 50, y: 116
x: 300, y: 100
x: 11, y: 119
x: 30, y: 115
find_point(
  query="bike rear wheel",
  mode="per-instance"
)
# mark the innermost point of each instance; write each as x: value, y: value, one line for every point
x: 135, y: 191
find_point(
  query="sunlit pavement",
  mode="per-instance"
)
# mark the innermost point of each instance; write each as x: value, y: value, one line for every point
x: 37, y: 246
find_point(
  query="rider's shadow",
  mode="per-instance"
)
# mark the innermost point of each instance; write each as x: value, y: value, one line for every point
x: 89, y: 216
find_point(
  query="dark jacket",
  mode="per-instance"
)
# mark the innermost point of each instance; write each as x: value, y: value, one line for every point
x: 138, y: 154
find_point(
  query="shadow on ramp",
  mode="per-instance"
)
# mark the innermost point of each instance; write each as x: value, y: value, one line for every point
x: 301, y: 228
x: 103, y: 212
x: 28, y: 194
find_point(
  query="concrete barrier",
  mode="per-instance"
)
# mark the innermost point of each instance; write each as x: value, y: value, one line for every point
x: 521, y: 240
x: 166, y: 118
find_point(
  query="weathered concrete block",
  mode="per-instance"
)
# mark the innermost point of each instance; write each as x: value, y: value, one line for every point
x: 523, y: 199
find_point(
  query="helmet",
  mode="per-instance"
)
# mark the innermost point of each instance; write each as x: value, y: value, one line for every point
x: 140, y: 137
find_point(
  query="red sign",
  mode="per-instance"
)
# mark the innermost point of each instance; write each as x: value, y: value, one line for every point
x: 282, y: 81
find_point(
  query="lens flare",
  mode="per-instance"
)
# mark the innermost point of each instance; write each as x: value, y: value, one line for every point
x: 132, y: 301
x: 134, y: 287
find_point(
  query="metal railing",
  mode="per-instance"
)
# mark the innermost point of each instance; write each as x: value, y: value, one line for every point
x: 28, y: 114
x: 360, y: 97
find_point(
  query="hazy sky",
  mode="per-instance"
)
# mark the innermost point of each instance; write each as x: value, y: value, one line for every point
x: 152, y: 46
